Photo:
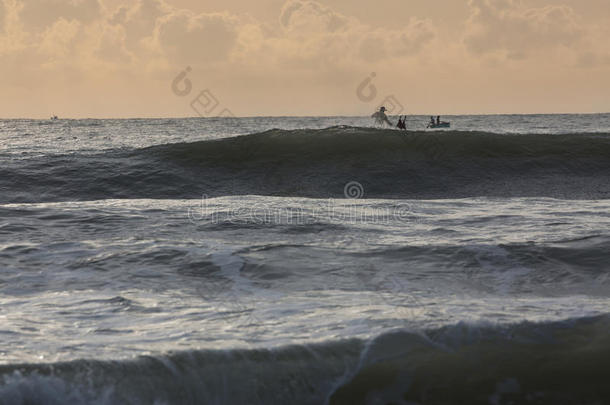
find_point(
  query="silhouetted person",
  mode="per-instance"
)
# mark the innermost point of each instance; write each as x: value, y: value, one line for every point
x: 438, y: 120
x: 402, y: 122
x: 381, y: 118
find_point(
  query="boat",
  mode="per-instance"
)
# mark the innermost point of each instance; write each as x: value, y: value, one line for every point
x: 439, y: 125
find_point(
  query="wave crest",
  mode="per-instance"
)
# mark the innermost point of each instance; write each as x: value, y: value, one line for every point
x: 546, y: 363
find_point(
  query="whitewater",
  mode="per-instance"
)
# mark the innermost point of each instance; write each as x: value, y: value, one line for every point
x: 305, y: 260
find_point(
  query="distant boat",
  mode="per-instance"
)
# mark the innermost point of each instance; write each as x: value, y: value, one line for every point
x: 53, y: 118
x: 439, y: 125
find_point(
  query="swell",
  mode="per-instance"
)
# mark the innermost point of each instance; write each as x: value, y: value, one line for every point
x: 539, y: 363
x: 341, y: 141
x: 319, y: 163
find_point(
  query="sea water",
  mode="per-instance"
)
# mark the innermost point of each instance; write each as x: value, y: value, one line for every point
x: 305, y: 260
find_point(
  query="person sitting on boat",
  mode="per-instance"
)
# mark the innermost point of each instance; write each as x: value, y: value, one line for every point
x: 381, y: 118
x: 432, y: 122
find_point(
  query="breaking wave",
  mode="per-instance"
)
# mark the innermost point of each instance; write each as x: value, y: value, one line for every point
x: 528, y: 363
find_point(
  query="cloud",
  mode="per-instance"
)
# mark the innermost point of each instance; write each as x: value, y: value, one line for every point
x: 412, y: 39
x: 75, y: 48
x: 111, y: 53
x: 309, y: 35
x: 154, y: 30
x: 111, y: 47
x: 185, y: 37
x: 138, y: 21
x: 506, y: 26
x: 311, y: 17
x: 38, y: 15
x: 318, y: 35
x: 58, y: 39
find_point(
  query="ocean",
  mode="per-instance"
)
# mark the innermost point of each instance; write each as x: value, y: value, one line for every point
x: 305, y: 260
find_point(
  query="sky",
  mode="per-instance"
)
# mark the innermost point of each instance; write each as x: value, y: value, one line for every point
x: 182, y: 58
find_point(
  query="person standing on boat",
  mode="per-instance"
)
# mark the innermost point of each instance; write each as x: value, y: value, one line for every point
x: 438, y: 120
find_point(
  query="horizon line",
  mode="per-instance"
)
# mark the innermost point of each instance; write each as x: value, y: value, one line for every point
x: 289, y: 116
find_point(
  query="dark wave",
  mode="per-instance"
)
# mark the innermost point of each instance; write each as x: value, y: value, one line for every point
x: 527, y: 363
x: 336, y: 142
x: 318, y: 163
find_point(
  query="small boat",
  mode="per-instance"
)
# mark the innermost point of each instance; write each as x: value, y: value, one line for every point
x: 440, y: 125
x: 54, y: 118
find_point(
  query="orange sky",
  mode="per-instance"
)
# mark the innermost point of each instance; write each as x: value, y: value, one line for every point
x: 119, y: 58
